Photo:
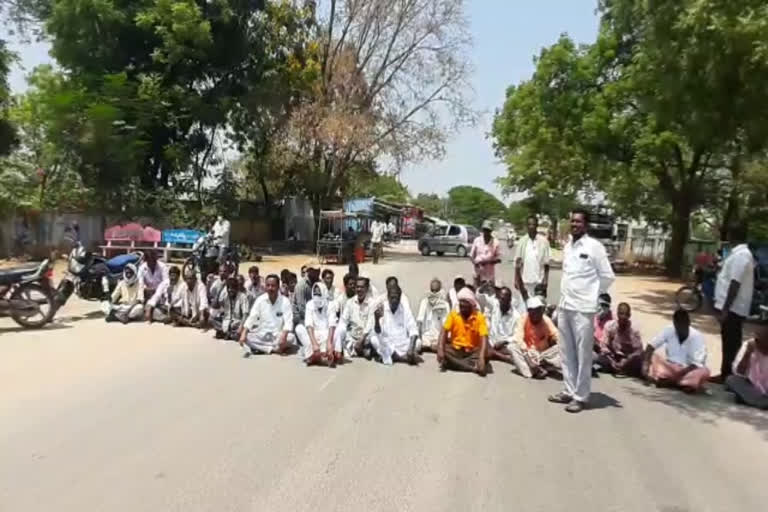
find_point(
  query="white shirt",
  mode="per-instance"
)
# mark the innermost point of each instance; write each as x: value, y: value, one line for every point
x: 586, y: 273
x: 193, y: 301
x: 320, y: 320
x: 391, y: 228
x: 254, y: 291
x: 432, y: 318
x: 377, y: 232
x: 693, y: 351
x: 535, y: 255
x: 453, y: 298
x: 161, y: 295
x: 151, y: 280
x: 739, y: 266
x: 396, y: 328
x: 503, y: 325
x: 270, y: 318
x: 221, y: 232
x: 337, y: 305
x: 355, y: 317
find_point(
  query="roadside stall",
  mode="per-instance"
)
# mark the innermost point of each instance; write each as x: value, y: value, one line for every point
x: 336, y: 241
x: 371, y: 209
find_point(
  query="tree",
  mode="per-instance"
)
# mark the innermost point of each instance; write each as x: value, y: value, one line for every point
x: 473, y: 205
x: 433, y: 205
x: 383, y: 186
x: 393, y: 84
x: 666, y: 101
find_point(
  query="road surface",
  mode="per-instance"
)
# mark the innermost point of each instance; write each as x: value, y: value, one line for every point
x: 102, y: 417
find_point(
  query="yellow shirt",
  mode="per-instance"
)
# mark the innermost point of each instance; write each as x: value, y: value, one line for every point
x: 466, y: 334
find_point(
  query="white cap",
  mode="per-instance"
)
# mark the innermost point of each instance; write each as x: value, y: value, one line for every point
x: 534, y: 302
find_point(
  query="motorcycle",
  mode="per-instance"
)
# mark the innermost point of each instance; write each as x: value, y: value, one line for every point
x: 691, y: 296
x: 92, y: 277
x: 205, y: 257
x: 27, y: 296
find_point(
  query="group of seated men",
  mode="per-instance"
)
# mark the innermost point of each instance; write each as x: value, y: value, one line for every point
x: 464, y: 326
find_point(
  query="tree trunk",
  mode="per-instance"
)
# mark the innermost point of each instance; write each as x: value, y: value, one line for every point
x: 681, y: 225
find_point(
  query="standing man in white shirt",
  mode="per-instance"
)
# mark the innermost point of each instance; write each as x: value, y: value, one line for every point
x: 221, y: 231
x: 532, y: 260
x: 394, y: 334
x: 586, y: 273
x: 269, y: 326
x: 377, y: 239
x: 733, y: 299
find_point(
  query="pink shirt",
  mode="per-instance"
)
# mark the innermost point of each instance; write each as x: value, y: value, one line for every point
x: 482, y: 253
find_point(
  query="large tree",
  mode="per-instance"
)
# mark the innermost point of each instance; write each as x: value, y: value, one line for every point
x: 392, y: 86
x: 667, y: 101
x: 473, y: 205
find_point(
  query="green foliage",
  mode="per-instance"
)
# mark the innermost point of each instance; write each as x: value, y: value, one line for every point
x: 433, y: 205
x: 473, y: 205
x: 382, y: 186
x: 652, y: 114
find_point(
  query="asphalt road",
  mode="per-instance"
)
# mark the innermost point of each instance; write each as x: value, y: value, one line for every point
x: 98, y: 417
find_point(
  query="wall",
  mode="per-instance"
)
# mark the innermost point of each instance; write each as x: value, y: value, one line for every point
x: 299, y: 217
x: 38, y: 233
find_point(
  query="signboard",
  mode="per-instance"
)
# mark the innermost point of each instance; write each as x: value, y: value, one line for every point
x: 181, y: 236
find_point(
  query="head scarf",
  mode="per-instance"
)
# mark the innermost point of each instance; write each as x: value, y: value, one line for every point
x: 319, y: 301
x: 130, y: 280
x: 468, y: 295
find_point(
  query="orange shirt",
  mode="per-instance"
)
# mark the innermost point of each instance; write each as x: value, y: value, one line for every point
x: 466, y: 334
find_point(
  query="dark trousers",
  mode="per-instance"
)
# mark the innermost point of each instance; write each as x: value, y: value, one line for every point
x: 731, y: 336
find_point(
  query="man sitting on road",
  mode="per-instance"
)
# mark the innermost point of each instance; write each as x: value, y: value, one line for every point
x: 327, y: 279
x: 354, y: 328
x: 303, y: 292
x: 603, y: 316
x: 487, y: 299
x: 151, y: 273
x: 621, y: 353
x: 315, y: 334
x: 463, y: 343
x: 749, y: 380
x: 127, y: 300
x: 254, y: 287
x: 502, y: 328
x: 340, y: 301
x: 534, y: 347
x: 234, y: 310
x: 166, y: 302
x: 392, y: 283
x: 194, y: 304
x: 217, y: 291
x: 395, y: 335
x: 685, y: 364
x: 269, y: 326
x: 458, y: 284
x: 433, y: 311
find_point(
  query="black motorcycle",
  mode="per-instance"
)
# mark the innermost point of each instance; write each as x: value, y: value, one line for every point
x: 92, y: 277
x: 27, y: 296
x: 205, y: 258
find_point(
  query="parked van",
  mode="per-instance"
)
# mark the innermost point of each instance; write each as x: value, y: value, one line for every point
x: 450, y: 238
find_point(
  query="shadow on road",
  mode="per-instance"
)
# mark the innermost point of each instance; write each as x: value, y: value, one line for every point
x: 75, y: 318
x: 49, y: 327
x: 707, y: 409
x: 662, y: 302
x: 599, y: 400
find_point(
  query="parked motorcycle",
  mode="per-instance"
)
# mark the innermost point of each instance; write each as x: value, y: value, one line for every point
x: 205, y: 257
x: 90, y: 276
x: 27, y: 296
x: 691, y: 297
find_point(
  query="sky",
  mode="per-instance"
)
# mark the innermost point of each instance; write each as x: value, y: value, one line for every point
x: 507, y: 34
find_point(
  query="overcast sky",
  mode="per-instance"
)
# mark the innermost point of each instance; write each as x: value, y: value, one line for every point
x: 507, y: 34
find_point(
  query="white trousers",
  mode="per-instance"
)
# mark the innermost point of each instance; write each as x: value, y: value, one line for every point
x: 320, y: 336
x: 551, y: 356
x: 576, y: 343
x: 268, y: 342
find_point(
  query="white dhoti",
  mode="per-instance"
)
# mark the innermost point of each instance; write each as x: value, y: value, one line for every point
x: 267, y: 342
x: 134, y: 312
x: 428, y: 341
x: 576, y: 344
x: 524, y: 361
x: 321, y: 336
x: 387, y: 346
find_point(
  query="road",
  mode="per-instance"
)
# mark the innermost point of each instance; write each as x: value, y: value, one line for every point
x: 99, y: 417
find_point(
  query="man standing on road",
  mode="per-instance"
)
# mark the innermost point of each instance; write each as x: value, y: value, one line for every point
x: 268, y: 328
x: 220, y: 231
x: 733, y: 299
x: 532, y: 260
x: 485, y: 255
x: 586, y: 273
x: 377, y: 238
